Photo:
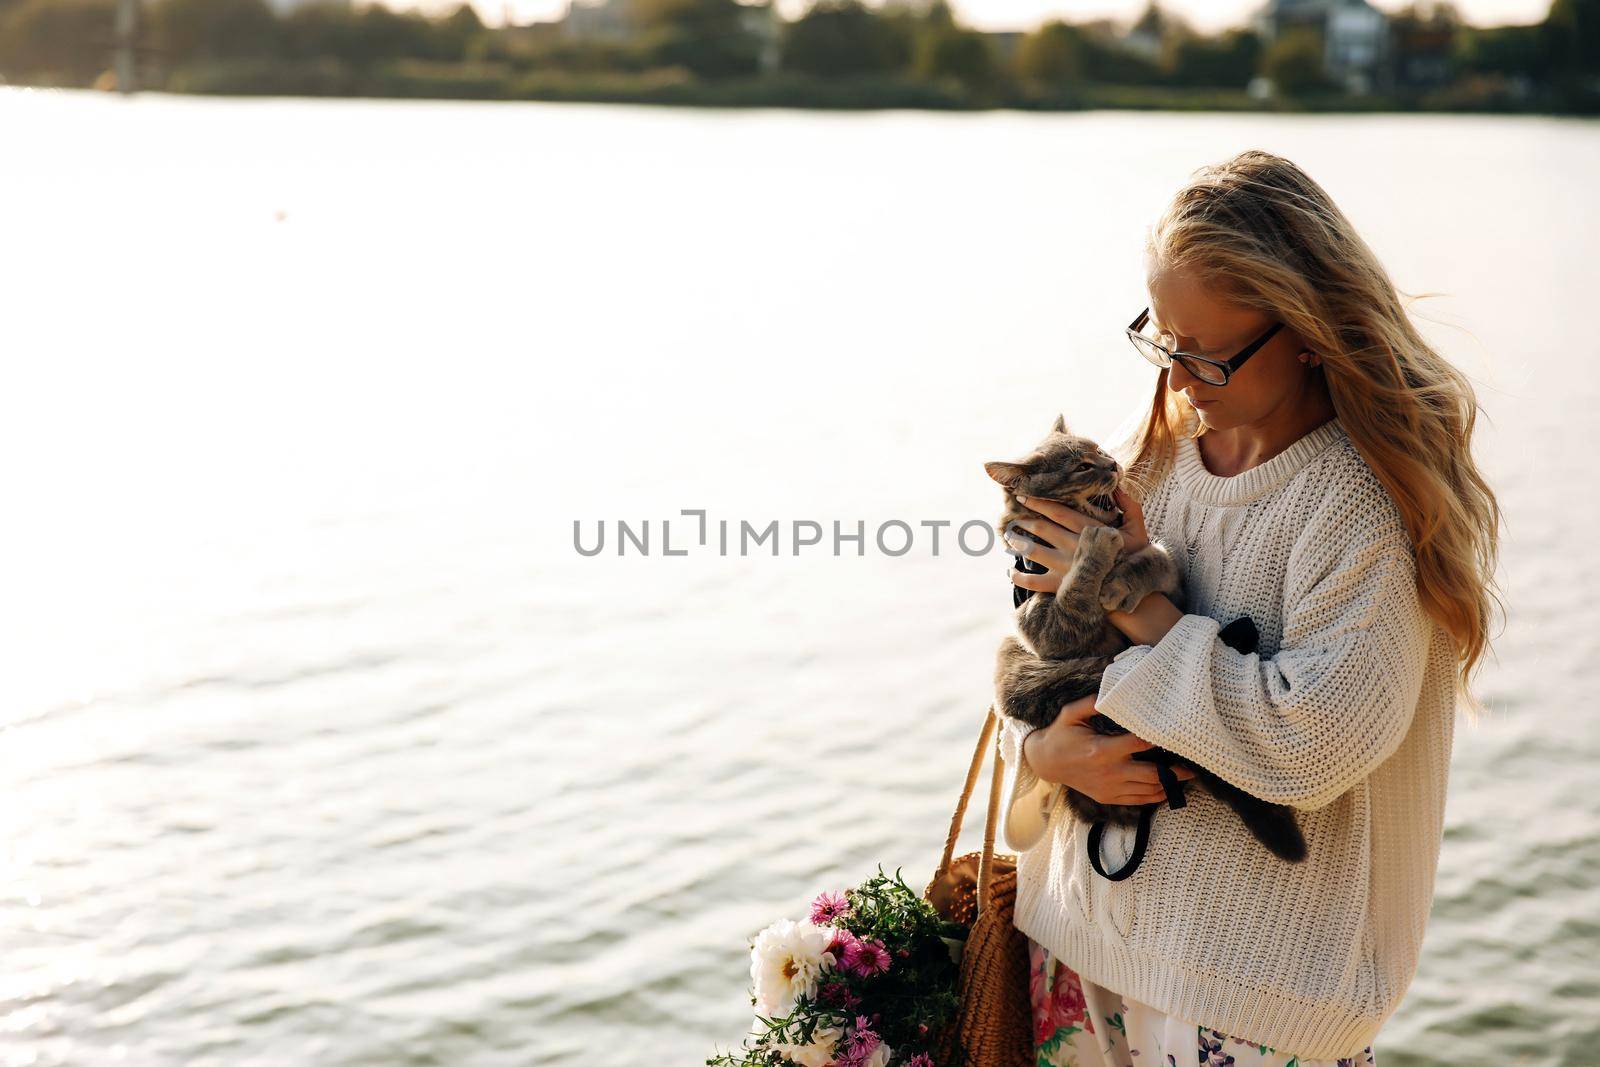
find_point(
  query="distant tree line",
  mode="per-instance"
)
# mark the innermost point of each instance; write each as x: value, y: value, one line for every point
x: 837, y: 53
x: 69, y: 42
x: 844, y: 38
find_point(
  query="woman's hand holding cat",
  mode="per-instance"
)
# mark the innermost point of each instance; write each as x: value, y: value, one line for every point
x: 1134, y: 534
x: 1059, y: 526
x: 1098, y: 765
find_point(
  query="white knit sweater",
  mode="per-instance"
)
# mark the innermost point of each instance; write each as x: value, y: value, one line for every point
x: 1347, y: 713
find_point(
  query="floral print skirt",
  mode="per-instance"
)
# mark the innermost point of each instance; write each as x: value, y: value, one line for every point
x: 1077, y: 1023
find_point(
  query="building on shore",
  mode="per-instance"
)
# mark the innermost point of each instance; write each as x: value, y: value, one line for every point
x: 1355, y: 37
x: 761, y: 20
x: 599, y: 22
x: 284, y: 7
x: 1145, y: 37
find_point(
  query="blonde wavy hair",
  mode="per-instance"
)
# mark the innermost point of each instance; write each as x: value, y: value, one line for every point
x: 1261, y: 234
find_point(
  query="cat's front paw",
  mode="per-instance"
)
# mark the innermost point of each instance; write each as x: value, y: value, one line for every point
x: 1100, y: 543
x: 1117, y: 595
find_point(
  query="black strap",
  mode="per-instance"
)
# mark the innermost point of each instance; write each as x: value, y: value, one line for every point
x: 1240, y: 635
x: 1175, y: 797
x: 1027, y: 566
x: 1169, y: 782
x: 1140, y: 839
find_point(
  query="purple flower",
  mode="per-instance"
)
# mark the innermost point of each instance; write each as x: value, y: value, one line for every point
x: 1211, y: 1054
x: 828, y: 907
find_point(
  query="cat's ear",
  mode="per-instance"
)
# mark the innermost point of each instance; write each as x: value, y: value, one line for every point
x: 1060, y: 426
x: 1007, y: 474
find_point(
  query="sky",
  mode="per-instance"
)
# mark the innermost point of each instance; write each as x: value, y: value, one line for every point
x: 1206, y: 15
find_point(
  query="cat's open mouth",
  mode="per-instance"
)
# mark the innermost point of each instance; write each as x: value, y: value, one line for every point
x: 1104, y: 507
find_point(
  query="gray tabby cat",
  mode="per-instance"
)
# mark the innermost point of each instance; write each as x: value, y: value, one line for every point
x: 1067, y: 639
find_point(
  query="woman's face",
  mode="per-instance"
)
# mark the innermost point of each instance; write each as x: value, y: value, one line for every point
x: 1201, y: 323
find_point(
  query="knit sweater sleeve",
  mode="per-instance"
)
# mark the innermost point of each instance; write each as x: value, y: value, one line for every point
x: 1302, y: 726
x: 1025, y: 798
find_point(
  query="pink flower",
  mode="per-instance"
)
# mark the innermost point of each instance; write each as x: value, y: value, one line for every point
x: 921, y: 1059
x: 1044, y: 1026
x: 839, y: 993
x: 839, y: 944
x: 865, y: 958
x: 828, y: 907
x: 861, y: 1043
x: 1057, y: 1004
x: 1070, y: 1007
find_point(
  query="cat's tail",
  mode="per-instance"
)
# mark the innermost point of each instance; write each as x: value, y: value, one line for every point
x: 1274, y: 825
x: 1032, y: 690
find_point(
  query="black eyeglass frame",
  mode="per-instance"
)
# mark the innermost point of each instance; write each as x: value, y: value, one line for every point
x: 1225, y: 367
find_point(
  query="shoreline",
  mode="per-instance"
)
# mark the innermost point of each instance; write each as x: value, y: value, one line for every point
x: 674, y: 88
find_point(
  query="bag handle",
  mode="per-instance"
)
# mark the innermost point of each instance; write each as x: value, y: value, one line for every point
x: 986, y: 865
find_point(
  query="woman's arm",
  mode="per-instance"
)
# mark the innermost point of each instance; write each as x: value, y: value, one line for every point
x: 1301, y: 727
x: 1025, y: 798
x: 1069, y: 752
x: 1305, y: 725
x: 1149, y: 622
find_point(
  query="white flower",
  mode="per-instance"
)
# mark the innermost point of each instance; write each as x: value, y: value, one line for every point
x: 785, y: 961
x: 879, y: 1057
x: 819, y: 1053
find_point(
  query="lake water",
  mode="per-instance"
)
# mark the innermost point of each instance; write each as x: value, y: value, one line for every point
x: 323, y: 745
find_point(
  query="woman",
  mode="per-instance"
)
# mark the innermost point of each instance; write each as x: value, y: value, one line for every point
x: 1306, y: 459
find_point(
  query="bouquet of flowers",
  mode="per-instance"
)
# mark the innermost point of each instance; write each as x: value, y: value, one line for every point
x: 868, y: 980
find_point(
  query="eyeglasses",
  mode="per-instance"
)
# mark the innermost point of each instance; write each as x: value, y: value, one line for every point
x: 1210, y: 371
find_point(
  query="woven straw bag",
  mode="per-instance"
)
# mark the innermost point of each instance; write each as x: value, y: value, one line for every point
x: 979, y: 890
